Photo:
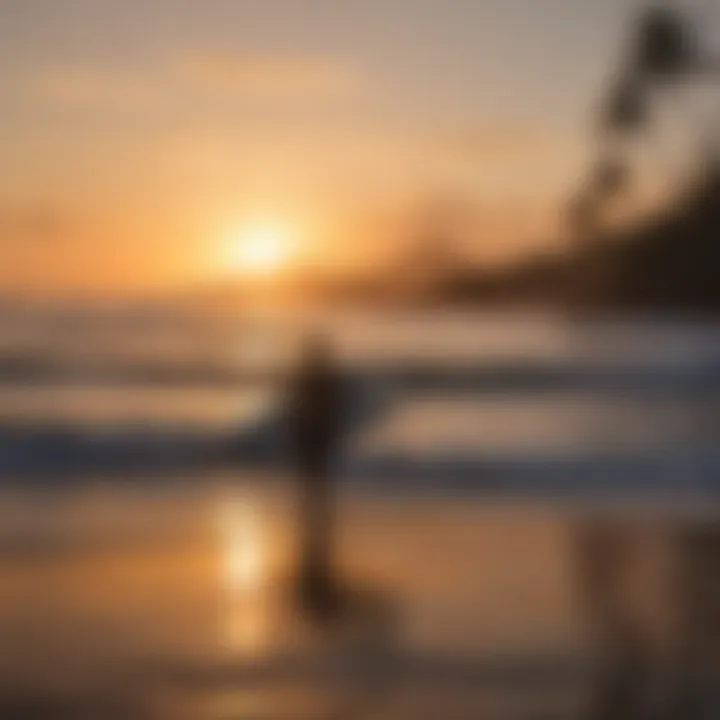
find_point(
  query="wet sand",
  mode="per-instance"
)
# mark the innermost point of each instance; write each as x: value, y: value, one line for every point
x: 170, y: 602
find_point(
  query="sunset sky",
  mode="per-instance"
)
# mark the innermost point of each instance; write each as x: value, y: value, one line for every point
x: 139, y: 137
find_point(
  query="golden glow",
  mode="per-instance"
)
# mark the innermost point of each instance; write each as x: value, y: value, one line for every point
x: 242, y: 547
x: 260, y: 249
x: 243, y: 576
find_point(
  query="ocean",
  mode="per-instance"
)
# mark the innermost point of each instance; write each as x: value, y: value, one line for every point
x: 503, y: 400
x: 148, y: 518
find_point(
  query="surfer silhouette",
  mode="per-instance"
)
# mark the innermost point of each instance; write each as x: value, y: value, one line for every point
x: 316, y: 415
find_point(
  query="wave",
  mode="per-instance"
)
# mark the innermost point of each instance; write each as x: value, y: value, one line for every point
x: 677, y: 470
x: 508, y: 376
x: 63, y: 449
x: 64, y: 454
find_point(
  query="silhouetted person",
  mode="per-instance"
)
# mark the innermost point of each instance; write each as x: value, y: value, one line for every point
x: 601, y: 550
x: 317, y: 414
x: 663, y: 663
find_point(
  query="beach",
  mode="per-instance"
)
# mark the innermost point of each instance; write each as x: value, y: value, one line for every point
x: 172, y: 596
x: 148, y: 530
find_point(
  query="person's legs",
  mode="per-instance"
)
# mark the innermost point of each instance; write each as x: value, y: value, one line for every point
x: 318, y: 590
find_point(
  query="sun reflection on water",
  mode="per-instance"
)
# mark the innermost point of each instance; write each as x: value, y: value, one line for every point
x: 243, y: 575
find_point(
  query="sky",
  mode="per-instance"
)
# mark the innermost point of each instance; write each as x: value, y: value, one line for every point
x: 139, y: 138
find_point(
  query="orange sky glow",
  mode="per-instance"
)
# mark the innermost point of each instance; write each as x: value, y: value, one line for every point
x: 133, y: 150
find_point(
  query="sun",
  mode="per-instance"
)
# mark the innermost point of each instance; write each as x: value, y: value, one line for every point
x: 260, y: 249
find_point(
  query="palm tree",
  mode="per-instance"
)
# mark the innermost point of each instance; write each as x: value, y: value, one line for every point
x: 664, y: 50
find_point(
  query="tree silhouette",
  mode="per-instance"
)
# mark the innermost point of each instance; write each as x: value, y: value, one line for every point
x: 663, y: 49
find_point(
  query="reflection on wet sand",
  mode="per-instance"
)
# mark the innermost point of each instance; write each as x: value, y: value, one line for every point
x: 651, y: 595
x: 244, y: 575
x: 502, y: 610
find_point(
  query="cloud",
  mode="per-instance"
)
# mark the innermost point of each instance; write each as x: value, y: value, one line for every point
x: 90, y: 88
x: 30, y: 222
x: 194, y: 80
x: 515, y: 160
x: 263, y: 77
x: 500, y: 142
